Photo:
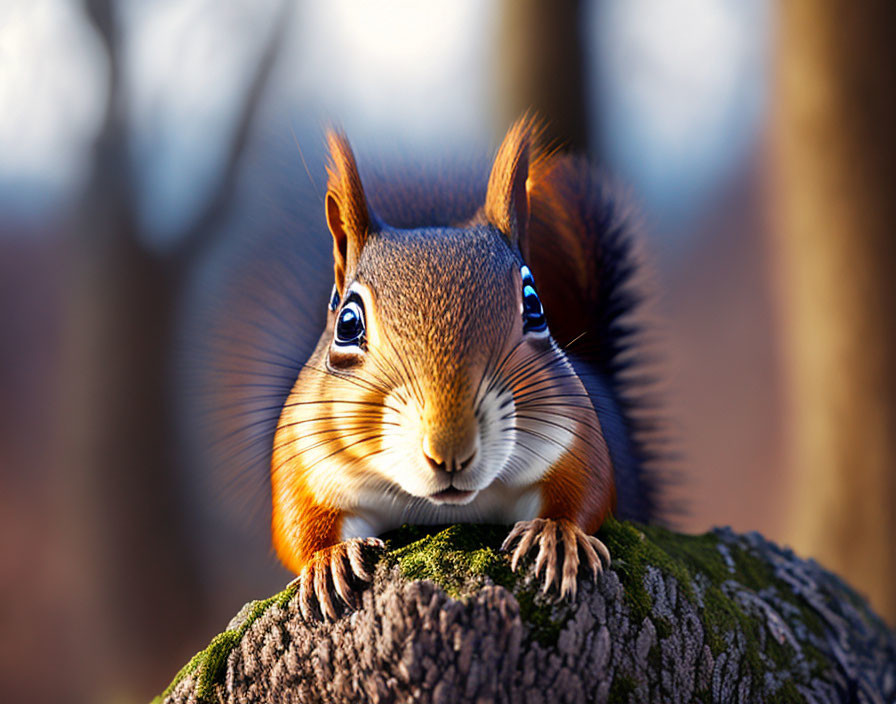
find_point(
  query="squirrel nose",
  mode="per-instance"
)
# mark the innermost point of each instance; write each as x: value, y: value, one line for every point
x: 444, y: 457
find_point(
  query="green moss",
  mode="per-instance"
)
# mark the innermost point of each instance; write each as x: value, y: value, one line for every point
x: 209, y: 664
x: 461, y: 558
x: 635, y: 548
x: 622, y: 688
x: 183, y: 672
x: 544, y: 619
x: 788, y: 693
x: 818, y: 661
x: 664, y: 629
x: 457, y: 558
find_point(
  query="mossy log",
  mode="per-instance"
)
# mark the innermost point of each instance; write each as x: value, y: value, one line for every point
x: 719, y: 617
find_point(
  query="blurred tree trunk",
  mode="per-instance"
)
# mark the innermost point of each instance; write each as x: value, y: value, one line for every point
x: 120, y: 455
x: 128, y: 526
x: 117, y: 445
x: 835, y: 144
x: 541, y: 67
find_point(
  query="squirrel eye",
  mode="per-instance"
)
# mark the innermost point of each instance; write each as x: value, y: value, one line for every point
x: 533, y: 313
x: 350, y: 323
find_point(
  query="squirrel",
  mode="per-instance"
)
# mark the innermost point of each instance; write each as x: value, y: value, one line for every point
x: 471, y: 369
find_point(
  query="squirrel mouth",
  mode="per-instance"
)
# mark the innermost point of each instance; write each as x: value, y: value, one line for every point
x: 452, y: 496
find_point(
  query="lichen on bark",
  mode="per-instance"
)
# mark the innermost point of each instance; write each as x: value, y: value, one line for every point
x: 714, y: 617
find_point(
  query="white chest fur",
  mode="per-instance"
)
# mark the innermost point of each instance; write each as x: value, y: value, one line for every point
x: 494, y: 504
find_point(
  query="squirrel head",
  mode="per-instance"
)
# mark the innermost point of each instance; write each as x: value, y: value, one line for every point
x: 506, y: 208
x: 435, y: 337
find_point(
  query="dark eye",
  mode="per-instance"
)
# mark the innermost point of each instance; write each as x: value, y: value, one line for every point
x: 533, y: 313
x: 350, y: 323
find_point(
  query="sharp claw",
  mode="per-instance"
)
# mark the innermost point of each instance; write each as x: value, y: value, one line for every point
x: 602, y: 549
x: 521, y: 549
x: 540, y: 559
x: 329, y: 571
x: 305, y: 602
x: 570, y: 561
x: 528, y: 537
x: 547, y: 554
x: 568, y: 585
x: 591, y: 558
x: 513, y: 535
x: 549, y: 534
x: 550, y: 572
x: 322, y: 591
x: 548, y: 583
x: 340, y: 578
x: 515, y: 560
x: 356, y: 560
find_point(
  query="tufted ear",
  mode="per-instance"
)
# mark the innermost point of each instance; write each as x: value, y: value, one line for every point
x: 348, y: 216
x: 507, y: 198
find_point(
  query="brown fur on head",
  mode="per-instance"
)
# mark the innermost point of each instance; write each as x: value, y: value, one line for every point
x: 426, y: 400
x: 445, y: 344
x: 445, y: 302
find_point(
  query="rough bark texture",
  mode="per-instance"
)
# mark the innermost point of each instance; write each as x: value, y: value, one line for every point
x: 719, y: 617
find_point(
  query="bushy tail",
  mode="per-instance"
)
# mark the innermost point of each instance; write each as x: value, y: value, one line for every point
x: 581, y: 252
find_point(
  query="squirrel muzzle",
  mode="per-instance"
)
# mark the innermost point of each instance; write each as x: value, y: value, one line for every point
x: 450, y: 436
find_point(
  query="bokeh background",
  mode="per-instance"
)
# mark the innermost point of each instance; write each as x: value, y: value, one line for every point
x: 143, y: 146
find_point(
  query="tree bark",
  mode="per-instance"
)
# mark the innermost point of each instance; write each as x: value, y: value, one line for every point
x: 835, y: 148
x: 713, y: 618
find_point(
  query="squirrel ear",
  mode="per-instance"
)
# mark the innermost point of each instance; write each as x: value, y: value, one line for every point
x: 347, y: 214
x: 507, y: 198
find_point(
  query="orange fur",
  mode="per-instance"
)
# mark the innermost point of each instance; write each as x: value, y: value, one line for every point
x: 579, y: 487
x: 527, y: 202
x: 300, y: 528
x: 579, y: 492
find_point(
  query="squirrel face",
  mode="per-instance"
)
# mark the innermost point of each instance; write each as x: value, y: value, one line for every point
x: 429, y: 316
x: 436, y: 376
x: 437, y: 393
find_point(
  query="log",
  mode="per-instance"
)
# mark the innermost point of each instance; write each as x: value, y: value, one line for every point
x: 719, y: 617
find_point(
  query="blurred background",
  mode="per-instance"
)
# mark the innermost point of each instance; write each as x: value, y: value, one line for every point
x: 148, y: 149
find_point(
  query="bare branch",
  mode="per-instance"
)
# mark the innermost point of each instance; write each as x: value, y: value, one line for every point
x: 197, y: 234
x: 109, y: 183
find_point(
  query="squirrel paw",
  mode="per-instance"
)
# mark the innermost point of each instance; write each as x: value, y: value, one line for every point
x: 334, y: 569
x: 559, y: 543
